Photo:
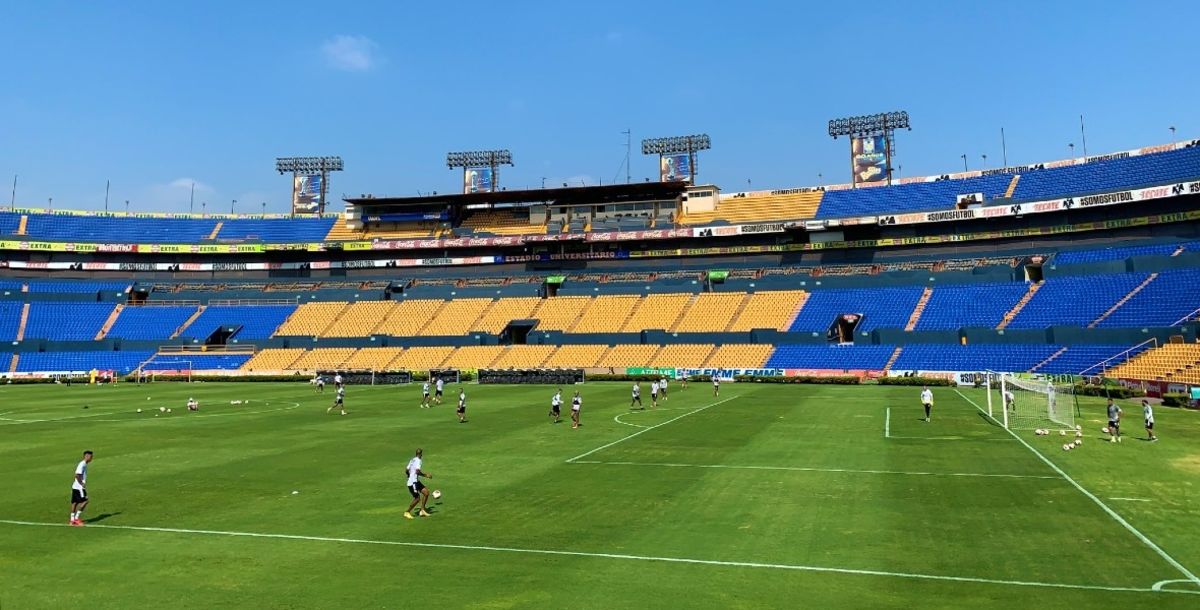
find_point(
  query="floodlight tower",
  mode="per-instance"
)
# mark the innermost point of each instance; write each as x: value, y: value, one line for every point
x: 678, y: 145
x: 308, y: 166
x: 478, y: 159
x: 871, y: 125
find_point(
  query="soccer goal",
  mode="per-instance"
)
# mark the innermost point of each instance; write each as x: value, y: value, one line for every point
x: 1028, y: 404
x: 173, y: 368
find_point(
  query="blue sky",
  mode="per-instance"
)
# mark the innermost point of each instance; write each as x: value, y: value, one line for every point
x: 156, y: 95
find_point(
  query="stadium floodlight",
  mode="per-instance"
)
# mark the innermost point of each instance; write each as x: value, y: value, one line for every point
x: 867, y: 130
x: 471, y: 160
x: 309, y: 166
x: 869, y: 125
x: 677, y: 146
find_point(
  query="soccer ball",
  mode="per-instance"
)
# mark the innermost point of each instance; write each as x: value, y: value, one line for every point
x: 1078, y: 427
x: 1104, y: 429
x: 147, y: 398
x: 437, y: 494
x: 162, y: 409
x: 139, y: 410
x: 1067, y: 447
x: 168, y: 410
x: 1078, y: 441
x: 1062, y: 432
x: 1078, y: 434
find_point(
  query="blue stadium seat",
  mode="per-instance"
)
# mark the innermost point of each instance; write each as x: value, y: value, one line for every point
x: 196, y: 362
x: 1075, y: 300
x: 1115, y: 253
x: 953, y: 357
x: 110, y: 229
x: 308, y: 229
x: 121, y: 362
x: 881, y: 308
x: 149, y: 323
x: 66, y: 321
x: 1081, y: 359
x: 257, y: 321
x: 10, y: 319
x: 1166, y: 300
x: 970, y: 305
x: 830, y: 357
x: 1110, y: 175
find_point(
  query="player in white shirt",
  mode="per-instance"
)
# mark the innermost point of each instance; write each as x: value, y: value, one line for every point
x: 318, y: 383
x: 637, y: 396
x: 662, y: 387
x: 716, y: 385
x: 192, y: 405
x: 79, y: 497
x: 576, y: 403
x: 337, y: 380
x: 1010, y: 400
x: 1148, y: 414
x: 653, y: 393
x: 556, y: 407
x: 425, y: 395
x: 439, y: 385
x: 339, y: 401
x: 415, y: 487
x: 462, y: 406
x: 927, y: 401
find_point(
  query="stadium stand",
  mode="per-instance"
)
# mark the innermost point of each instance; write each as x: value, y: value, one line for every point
x: 760, y: 208
x: 910, y: 197
x: 830, y: 357
x: 1115, y: 253
x: 504, y: 311
x: 257, y: 322
x: 657, y: 311
x: 422, y: 358
x: 115, y: 229
x: 275, y: 230
x: 150, y: 322
x: 73, y: 287
x: 709, y: 311
x: 196, y: 362
x: 1110, y: 174
x: 320, y: 358
x: 1173, y: 297
x: 311, y: 319
x: 272, y: 359
x: 774, y: 310
x: 576, y: 356
x: 1178, y: 362
x: 736, y: 355
x: 473, y: 357
x: 409, y: 317
x: 1077, y: 359
x: 627, y: 355
x: 122, y: 362
x: 10, y: 319
x: 942, y: 357
x: 501, y: 222
x: 971, y: 305
x: 358, y: 319
x: 371, y: 359
x: 880, y: 308
x: 66, y: 321
x: 456, y: 317
x: 681, y: 355
x: 523, y: 357
x: 560, y: 313
x: 607, y: 314
x: 1075, y: 300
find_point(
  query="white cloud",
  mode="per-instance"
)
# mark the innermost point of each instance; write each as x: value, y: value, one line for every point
x: 350, y: 53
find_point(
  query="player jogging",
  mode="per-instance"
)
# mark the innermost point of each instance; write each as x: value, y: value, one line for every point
x: 1114, y: 422
x: 576, y: 403
x: 425, y: 395
x: 1148, y: 414
x: 439, y: 385
x: 662, y: 387
x: 415, y: 487
x: 319, y: 383
x: 653, y: 393
x: 339, y: 401
x: 462, y: 406
x: 338, y: 381
x: 637, y: 396
x: 927, y: 401
x: 716, y: 386
x: 556, y: 407
x: 683, y: 379
x: 79, y: 497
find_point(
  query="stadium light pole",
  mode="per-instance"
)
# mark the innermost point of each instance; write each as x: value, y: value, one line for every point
x: 232, y: 204
x: 1003, y: 147
x: 478, y: 159
x: 310, y: 166
x: 1172, y: 128
x: 964, y: 158
x: 677, y: 145
x: 984, y: 161
x: 872, y: 125
x: 13, y: 202
x: 1071, y: 147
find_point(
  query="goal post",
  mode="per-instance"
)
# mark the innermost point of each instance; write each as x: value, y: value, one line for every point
x: 162, y: 367
x: 1031, y: 403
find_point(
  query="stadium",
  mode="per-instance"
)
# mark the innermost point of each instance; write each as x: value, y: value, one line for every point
x: 777, y: 342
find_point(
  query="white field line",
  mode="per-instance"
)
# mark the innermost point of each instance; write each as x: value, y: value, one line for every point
x: 834, y: 470
x: 887, y: 433
x: 8, y: 421
x: 887, y: 423
x: 617, y: 418
x: 649, y: 428
x: 1111, y: 513
x: 1130, y: 499
x: 620, y: 556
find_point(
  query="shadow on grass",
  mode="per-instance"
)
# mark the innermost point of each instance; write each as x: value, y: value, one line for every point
x: 102, y: 517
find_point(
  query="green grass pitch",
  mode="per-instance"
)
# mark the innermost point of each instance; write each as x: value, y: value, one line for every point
x: 769, y: 496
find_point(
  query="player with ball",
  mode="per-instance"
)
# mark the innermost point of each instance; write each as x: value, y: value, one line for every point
x: 415, y: 487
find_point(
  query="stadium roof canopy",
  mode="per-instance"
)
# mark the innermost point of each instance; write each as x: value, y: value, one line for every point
x: 580, y: 195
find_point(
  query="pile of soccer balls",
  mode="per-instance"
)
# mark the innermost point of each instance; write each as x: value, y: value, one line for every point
x: 1066, y: 446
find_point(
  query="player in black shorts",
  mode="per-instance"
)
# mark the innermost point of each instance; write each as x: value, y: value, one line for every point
x: 556, y: 407
x: 462, y: 406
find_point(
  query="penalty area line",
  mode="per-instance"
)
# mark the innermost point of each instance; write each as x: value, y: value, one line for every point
x: 649, y: 428
x: 1111, y: 513
x: 812, y: 469
x: 619, y: 556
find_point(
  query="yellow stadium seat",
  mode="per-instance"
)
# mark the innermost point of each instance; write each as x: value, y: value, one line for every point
x: 657, y: 311
x: 422, y: 358
x: 360, y: 319
x: 456, y: 317
x: 523, y: 357
x: 372, y: 359
x: 473, y: 357
x: 710, y: 312
x: 607, y: 314
x: 681, y: 356
x: 409, y: 317
x: 503, y: 311
x: 736, y: 356
x: 272, y: 359
x: 311, y: 319
x: 576, y: 356
x: 759, y: 208
x: 769, y: 309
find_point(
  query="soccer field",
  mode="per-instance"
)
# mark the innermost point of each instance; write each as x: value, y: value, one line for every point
x: 767, y: 496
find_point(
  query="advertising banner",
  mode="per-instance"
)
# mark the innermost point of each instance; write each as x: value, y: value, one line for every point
x: 869, y: 155
x: 306, y: 194
x: 477, y: 180
x: 674, y: 168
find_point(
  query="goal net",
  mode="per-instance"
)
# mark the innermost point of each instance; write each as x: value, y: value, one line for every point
x: 1028, y: 404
